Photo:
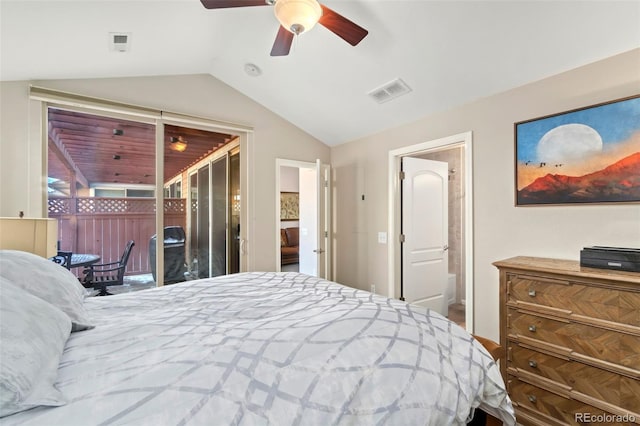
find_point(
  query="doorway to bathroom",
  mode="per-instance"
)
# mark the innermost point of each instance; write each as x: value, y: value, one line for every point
x: 453, y: 243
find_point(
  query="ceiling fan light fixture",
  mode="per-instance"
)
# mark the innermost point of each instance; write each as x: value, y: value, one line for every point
x: 298, y: 16
x: 178, y: 144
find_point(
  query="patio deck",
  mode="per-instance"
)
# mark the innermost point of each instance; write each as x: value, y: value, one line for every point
x: 132, y: 283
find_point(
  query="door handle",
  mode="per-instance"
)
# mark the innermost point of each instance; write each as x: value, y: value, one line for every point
x: 445, y: 248
x: 319, y: 251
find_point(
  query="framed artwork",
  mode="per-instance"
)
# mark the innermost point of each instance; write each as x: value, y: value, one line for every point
x: 289, y: 206
x: 586, y: 155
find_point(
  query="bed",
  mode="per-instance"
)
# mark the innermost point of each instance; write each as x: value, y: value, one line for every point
x: 257, y: 348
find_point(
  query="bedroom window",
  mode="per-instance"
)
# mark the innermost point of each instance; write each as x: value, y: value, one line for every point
x: 173, y: 190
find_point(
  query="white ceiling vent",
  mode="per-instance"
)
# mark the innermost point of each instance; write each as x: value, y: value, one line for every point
x: 390, y: 90
x: 119, y: 42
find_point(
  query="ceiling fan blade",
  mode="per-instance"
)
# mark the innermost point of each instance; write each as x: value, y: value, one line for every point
x: 222, y: 4
x: 282, y: 45
x: 342, y: 27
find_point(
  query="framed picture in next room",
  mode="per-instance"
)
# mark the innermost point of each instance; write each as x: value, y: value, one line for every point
x: 582, y: 156
x: 289, y: 206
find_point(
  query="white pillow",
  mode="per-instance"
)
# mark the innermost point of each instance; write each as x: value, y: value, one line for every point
x: 47, y: 280
x: 33, y: 334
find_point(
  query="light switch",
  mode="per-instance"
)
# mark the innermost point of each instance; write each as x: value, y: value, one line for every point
x: 382, y: 237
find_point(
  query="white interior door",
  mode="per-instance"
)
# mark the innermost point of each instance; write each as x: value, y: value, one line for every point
x: 425, y: 229
x: 308, y: 223
x: 323, y: 180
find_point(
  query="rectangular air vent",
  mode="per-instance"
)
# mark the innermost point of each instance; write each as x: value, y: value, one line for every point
x: 390, y: 90
x: 119, y: 42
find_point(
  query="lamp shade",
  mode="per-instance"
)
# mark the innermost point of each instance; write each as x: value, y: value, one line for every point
x: 298, y: 16
x: 37, y: 236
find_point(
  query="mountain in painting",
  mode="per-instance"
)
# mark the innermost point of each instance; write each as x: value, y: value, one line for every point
x: 617, y: 182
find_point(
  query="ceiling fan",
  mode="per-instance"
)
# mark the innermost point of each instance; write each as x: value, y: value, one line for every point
x: 296, y: 17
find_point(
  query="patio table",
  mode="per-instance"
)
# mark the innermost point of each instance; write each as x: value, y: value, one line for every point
x: 83, y: 259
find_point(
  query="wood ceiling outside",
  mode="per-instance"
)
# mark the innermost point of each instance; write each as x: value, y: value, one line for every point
x: 85, y: 145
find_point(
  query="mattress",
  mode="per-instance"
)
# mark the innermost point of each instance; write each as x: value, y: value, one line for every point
x: 267, y: 348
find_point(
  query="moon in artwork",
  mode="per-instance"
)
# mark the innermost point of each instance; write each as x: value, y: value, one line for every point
x: 569, y: 142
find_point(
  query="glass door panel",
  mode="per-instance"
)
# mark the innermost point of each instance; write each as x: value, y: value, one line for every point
x: 202, y: 253
x: 101, y: 190
x: 219, y: 194
x: 193, y: 224
x: 234, y: 213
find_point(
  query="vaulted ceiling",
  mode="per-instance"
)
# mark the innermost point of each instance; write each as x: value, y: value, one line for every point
x: 448, y: 52
x: 92, y: 149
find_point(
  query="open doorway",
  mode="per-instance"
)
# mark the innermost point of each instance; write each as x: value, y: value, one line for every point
x: 456, y: 282
x: 302, y: 217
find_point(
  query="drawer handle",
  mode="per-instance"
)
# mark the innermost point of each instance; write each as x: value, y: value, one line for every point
x: 532, y: 328
x: 533, y: 364
x: 532, y: 292
x: 532, y: 398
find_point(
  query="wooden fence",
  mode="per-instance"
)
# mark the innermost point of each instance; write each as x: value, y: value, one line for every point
x: 103, y: 226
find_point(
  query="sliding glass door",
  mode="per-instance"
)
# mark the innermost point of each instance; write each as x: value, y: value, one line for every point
x: 177, y: 176
x: 234, y: 212
x: 219, y: 220
x: 202, y: 253
x: 101, y: 178
x: 214, y: 189
x: 192, y: 254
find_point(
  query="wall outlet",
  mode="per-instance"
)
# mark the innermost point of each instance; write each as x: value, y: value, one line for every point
x: 373, y: 288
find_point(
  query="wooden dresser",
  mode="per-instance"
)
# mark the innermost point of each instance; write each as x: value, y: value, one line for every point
x: 572, y: 341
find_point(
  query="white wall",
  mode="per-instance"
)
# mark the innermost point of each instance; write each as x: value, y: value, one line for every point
x: 500, y: 229
x: 21, y: 147
x: 289, y: 179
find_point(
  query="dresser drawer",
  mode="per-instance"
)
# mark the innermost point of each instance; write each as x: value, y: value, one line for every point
x: 541, y: 402
x: 598, y: 343
x: 604, y: 385
x: 595, y: 302
x: 572, y: 341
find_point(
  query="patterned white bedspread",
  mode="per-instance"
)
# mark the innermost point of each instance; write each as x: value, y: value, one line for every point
x: 269, y: 349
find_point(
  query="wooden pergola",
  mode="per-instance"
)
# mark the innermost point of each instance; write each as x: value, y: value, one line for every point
x: 88, y: 149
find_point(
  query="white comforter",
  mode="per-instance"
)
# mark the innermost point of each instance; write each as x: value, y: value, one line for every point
x: 269, y: 349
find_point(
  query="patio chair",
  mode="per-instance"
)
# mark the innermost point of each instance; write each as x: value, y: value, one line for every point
x: 63, y: 258
x: 100, y: 276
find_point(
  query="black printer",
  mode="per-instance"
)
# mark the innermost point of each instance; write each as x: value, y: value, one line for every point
x: 620, y: 258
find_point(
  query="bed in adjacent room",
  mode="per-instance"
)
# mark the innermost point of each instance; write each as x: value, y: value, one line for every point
x: 252, y: 348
